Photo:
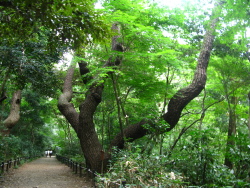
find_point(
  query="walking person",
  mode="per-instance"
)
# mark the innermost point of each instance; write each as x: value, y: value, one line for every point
x: 46, y: 153
x: 50, y: 153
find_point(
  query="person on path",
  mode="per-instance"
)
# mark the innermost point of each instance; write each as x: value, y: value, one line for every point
x: 46, y: 153
x: 50, y: 153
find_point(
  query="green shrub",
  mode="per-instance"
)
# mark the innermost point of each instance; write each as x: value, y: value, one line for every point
x: 10, y: 147
x: 137, y: 170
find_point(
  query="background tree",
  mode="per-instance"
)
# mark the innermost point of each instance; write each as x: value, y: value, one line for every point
x: 67, y: 22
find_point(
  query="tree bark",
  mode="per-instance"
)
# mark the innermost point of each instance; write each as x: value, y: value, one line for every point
x: 83, y: 122
x: 185, y: 95
x: 90, y: 143
x: 117, y: 103
x: 131, y: 133
x: 248, y: 123
x: 231, y: 131
x: 14, y: 114
x: 3, y: 85
x: 64, y: 105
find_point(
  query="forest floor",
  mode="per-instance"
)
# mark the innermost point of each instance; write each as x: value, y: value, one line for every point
x: 44, y: 173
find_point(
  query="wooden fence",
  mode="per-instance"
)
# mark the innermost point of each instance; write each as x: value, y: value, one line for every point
x: 76, y: 167
x: 6, y: 166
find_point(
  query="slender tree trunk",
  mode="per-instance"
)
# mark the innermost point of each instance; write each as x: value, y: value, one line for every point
x: 248, y: 123
x: 2, y: 88
x: 117, y: 103
x: 231, y: 131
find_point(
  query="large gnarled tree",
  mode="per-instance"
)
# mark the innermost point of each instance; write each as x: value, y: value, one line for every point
x: 83, y: 123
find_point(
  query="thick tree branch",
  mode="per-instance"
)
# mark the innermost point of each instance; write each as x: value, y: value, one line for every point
x: 84, y: 71
x: 3, y: 97
x: 64, y: 105
x: 183, y: 96
x: 90, y: 143
x: 184, y: 129
x: 14, y: 115
x: 132, y: 133
x: 3, y: 85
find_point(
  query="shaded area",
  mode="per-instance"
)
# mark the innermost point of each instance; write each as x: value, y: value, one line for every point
x: 44, y: 173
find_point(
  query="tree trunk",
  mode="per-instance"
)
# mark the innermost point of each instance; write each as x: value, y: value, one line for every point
x: 248, y: 123
x: 64, y: 105
x: 3, y: 85
x: 231, y: 131
x: 185, y: 95
x: 83, y: 122
x: 14, y: 114
x: 117, y: 103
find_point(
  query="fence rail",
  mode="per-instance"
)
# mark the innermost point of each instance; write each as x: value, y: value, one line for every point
x: 78, y: 168
x: 6, y: 166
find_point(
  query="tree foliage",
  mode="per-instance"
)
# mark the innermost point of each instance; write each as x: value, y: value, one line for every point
x: 168, y: 86
x: 70, y: 23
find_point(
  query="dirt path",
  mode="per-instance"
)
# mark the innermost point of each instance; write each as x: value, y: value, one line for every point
x: 44, y: 173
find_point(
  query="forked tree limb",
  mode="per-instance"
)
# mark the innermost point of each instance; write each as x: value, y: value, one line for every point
x: 185, y: 95
x: 83, y: 122
x: 90, y: 143
x: 64, y: 105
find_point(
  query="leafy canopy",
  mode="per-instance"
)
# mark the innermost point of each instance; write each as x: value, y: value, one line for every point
x: 68, y: 22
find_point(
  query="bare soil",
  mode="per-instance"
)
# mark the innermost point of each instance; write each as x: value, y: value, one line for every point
x: 44, y: 173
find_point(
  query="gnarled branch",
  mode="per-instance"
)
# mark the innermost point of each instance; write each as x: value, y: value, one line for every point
x: 14, y: 115
x: 64, y: 105
x: 184, y: 95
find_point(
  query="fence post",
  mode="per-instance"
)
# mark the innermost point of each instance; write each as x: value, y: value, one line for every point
x: 7, y: 166
x: 80, y: 166
x: 124, y: 183
x: 76, y: 167
x: 68, y: 162
x: 2, y: 165
x: 10, y: 163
